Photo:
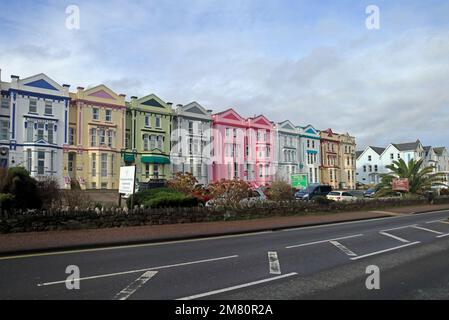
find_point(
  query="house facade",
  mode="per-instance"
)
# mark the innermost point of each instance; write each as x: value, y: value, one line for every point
x: 148, y: 128
x: 191, y: 141
x: 372, y: 162
x: 96, y: 137
x: 310, y: 153
x: 228, y: 147
x: 330, y: 169
x: 368, y: 170
x: 287, y: 157
x: 259, y: 150
x: 34, y: 116
x: 347, y: 161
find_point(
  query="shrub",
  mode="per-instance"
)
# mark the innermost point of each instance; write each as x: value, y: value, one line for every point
x: 168, y: 199
x: 49, y: 192
x: 280, y: 191
x: 76, y: 198
x: 6, y: 201
x: 322, y: 201
x: 162, y: 197
x: 183, y: 182
x: 231, y: 192
x: 23, y: 187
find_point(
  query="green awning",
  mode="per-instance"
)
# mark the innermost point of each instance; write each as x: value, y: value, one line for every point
x: 155, y: 160
x: 129, y: 158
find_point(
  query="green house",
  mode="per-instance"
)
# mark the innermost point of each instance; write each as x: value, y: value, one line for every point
x: 147, y: 138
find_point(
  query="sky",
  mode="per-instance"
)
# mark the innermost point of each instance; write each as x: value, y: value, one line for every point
x: 310, y: 62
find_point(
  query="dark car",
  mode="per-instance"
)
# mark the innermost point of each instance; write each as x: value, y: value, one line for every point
x: 312, y: 191
x: 370, y: 193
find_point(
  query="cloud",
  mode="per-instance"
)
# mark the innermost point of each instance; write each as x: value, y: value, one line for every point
x: 297, y: 60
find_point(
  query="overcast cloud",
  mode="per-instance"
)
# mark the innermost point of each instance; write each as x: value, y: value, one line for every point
x: 306, y: 61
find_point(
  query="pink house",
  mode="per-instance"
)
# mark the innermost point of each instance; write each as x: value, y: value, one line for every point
x: 242, y: 148
x: 228, y: 134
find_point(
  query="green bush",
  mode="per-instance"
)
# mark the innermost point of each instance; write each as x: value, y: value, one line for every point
x: 162, y: 197
x: 6, y: 201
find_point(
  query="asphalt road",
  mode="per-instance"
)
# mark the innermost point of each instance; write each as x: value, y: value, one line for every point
x: 324, y: 262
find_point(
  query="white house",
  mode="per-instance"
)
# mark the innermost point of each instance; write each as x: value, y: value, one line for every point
x: 368, y: 165
x: 310, y: 154
x: 37, y: 111
x: 287, y: 156
x: 191, y: 138
x: 372, y: 162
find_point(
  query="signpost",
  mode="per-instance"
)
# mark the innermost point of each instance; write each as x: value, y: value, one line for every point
x: 127, y: 183
x: 299, y: 181
x: 401, y: 184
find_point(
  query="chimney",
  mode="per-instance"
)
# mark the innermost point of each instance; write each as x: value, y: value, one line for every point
x: 122, y: 95
x: 14, y: 79
x: 66, y: 87
x: 179, y: 105
x: 80, y: 89
x: 133, y: 98
x: 209, y: 111
x: 170, y: 104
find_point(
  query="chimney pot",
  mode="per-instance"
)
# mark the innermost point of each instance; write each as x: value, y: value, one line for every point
x: 80, y: 88
x: 66, y: 85
x: 133, y: 97
x: 14, y: 77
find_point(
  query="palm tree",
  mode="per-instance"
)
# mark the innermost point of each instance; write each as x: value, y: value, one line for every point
x: 420, y: 179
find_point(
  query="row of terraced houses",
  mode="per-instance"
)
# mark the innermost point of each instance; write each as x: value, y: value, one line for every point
x: 88, y: 134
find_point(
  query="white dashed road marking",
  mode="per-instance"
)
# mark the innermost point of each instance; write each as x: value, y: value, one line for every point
x: 275, y: 267
x: 393, y: 236
x: 135, y: 285
x: 428, y: 230
x: 343, y: 248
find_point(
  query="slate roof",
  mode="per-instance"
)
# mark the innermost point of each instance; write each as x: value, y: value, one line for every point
x: 378, y: 150
x: 407, y: 146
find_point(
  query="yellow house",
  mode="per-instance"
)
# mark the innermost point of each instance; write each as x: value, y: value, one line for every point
x: 96, y: 138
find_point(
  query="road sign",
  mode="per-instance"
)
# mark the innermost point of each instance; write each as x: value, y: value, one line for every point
x: 127, y: 180
x: 299, y: 181
x: 401, y: 185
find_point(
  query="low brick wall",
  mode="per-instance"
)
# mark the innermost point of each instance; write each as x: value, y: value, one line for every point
x: 70, y: 219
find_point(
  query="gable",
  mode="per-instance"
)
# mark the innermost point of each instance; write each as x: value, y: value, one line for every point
x: 42, y: 84
x: 101, y: 94
x: 231, y: 116
x: 153, y: 103
x: 288, y: 125
x: 310, y: 131
x: 263, y: 122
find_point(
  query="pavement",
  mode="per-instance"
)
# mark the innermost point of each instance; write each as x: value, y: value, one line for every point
x: 18, y: 243
x: 315, y: 262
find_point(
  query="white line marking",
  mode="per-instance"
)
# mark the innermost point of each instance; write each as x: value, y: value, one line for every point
x: 443, y: 235
x: 400, y: 228
x: 428, y: 230
x: 275, y: 267
x: 343, y: 248
x: 323, y: 241
x: 438, y: 221
x: 135, y: 285
x: 131, y: 246
x: 393, y: 236
x: 139, y: 270
x: 210, y: 293
x: 386, y: 250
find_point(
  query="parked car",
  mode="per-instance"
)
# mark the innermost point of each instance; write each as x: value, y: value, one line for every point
x: 312, y: 191
x: 256, y: 196
x: 341, y: 196
x: 370, y: 193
